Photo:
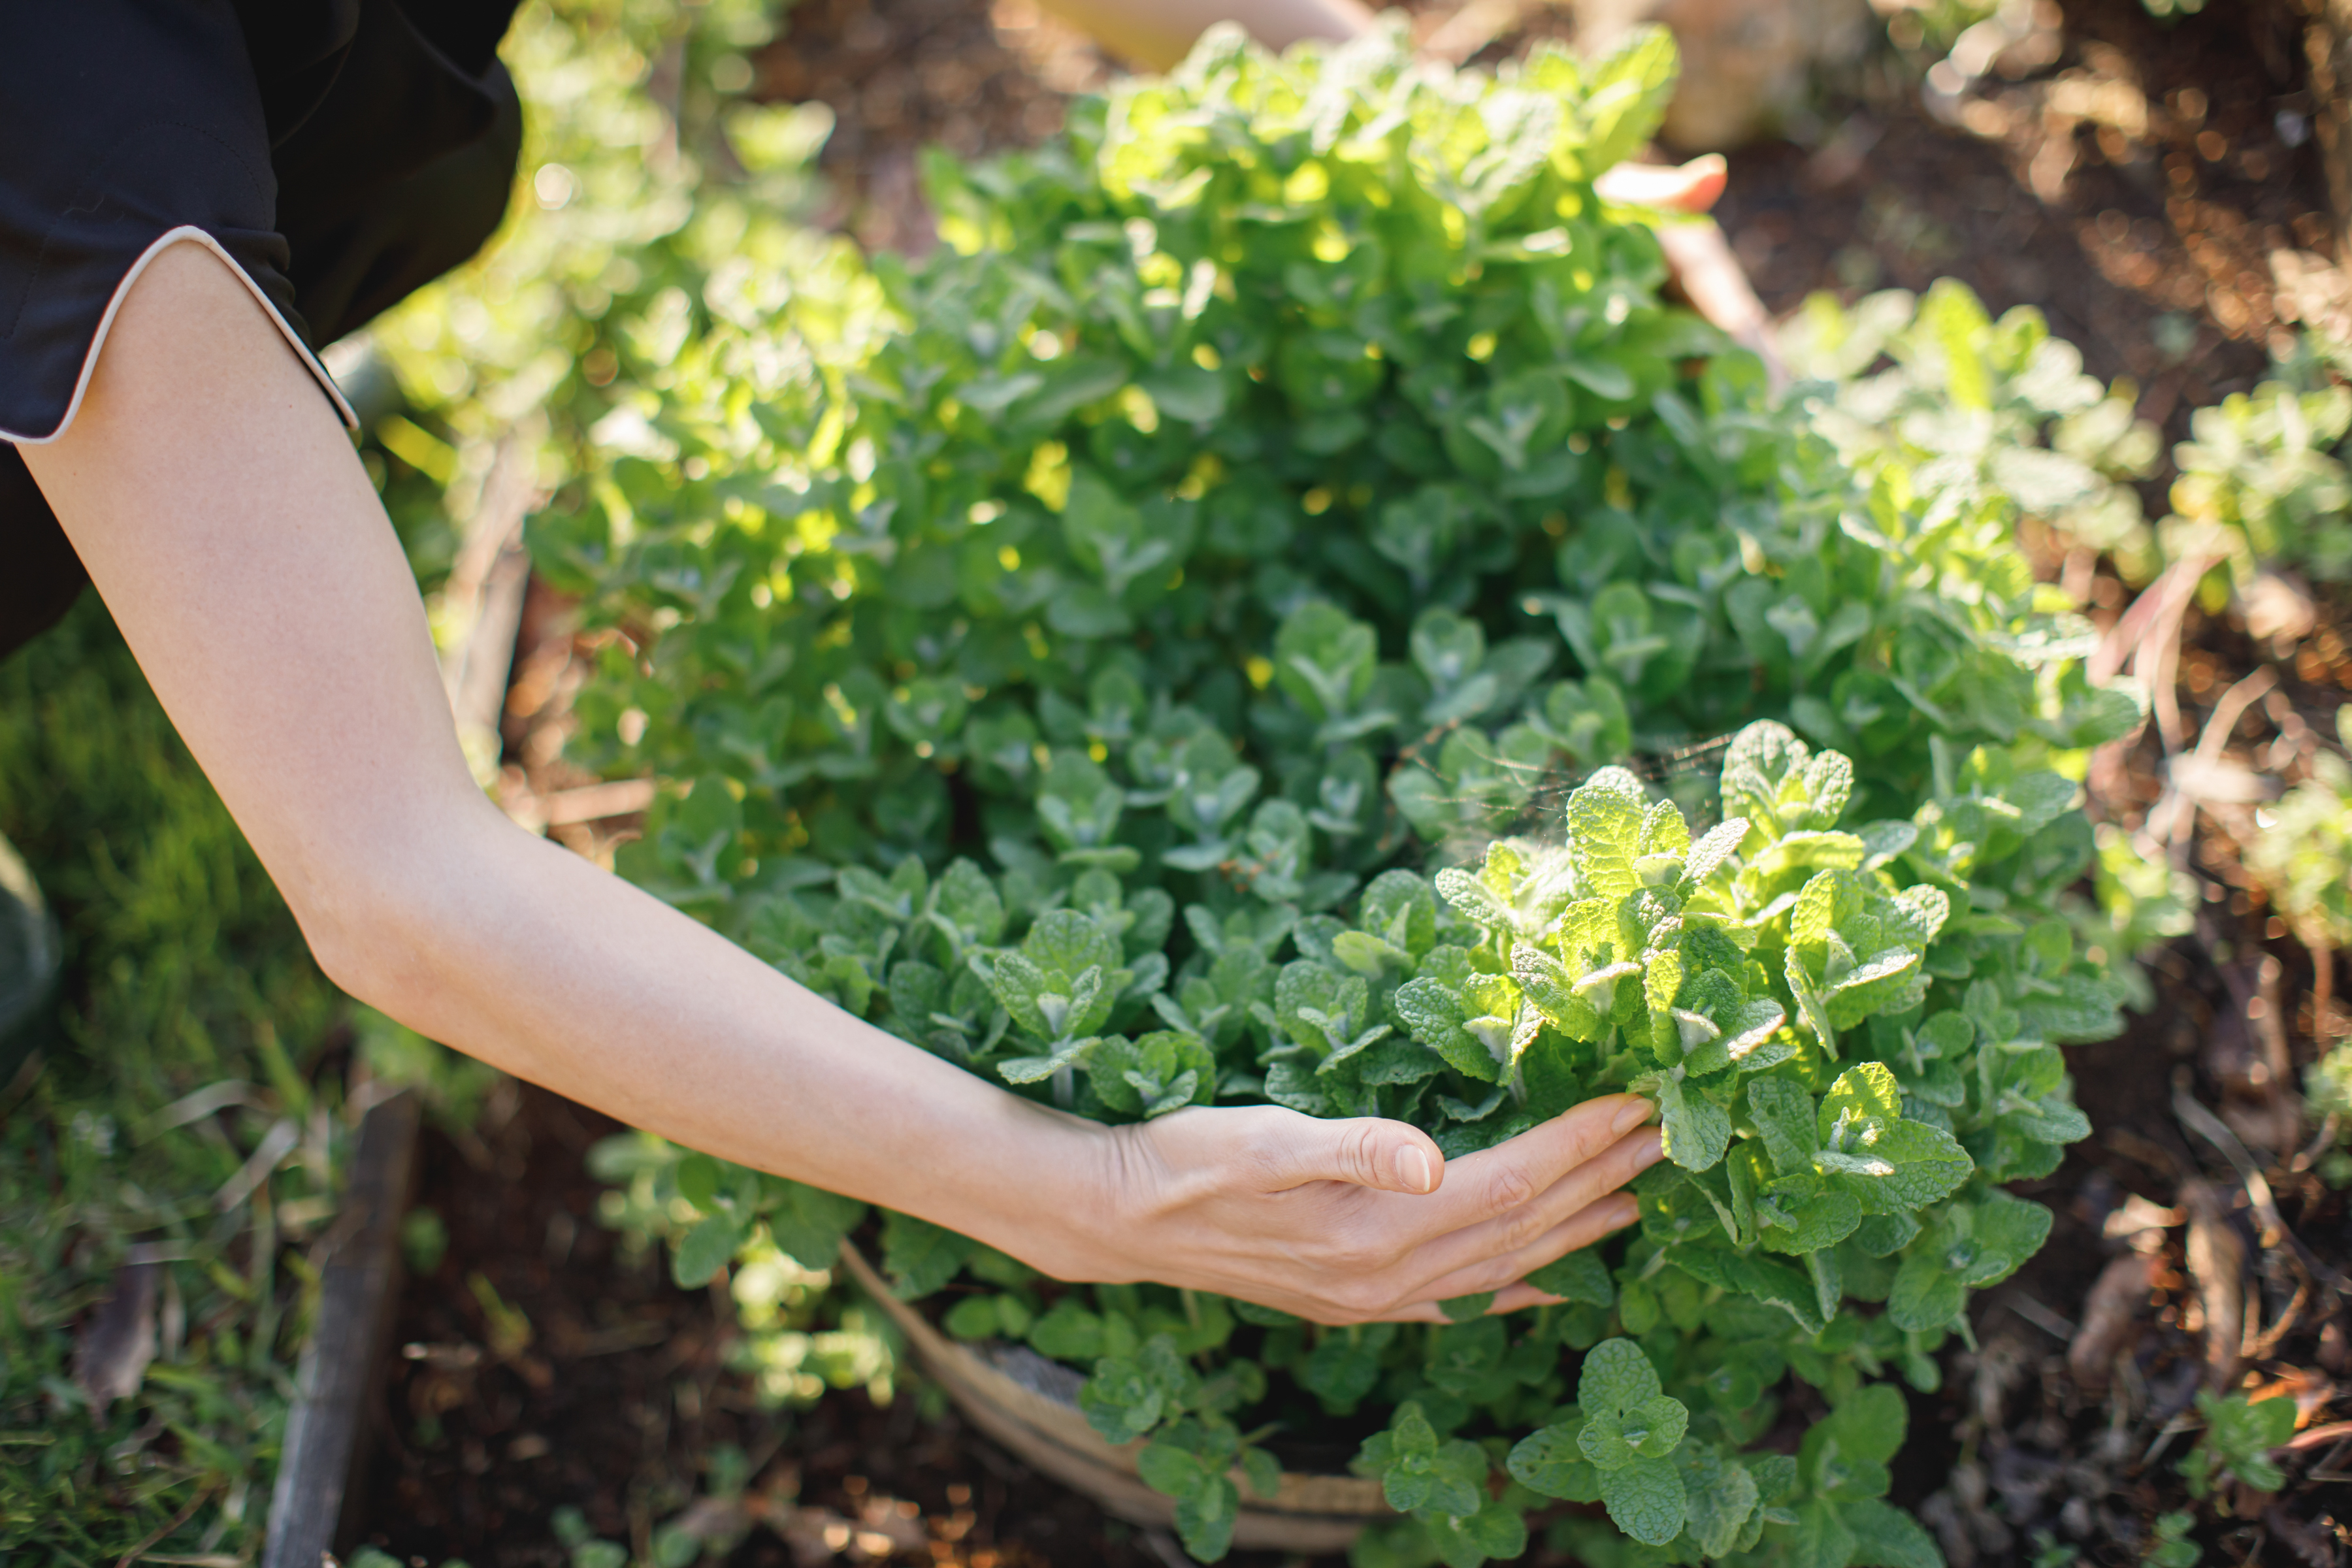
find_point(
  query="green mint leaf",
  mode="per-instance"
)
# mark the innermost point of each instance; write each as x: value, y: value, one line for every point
x: 1434, y: 1014
x: 920, y: 1258
x: 1170, y: 1470
x: 1927, y: 1293
x: 1068, y: 1331
x: 1886, y: 1537
x: 1646, y: 1499
x: 1711, y: 853
x: 1466, y: 1308
x: 1774, y: 1283
x: 1552, y: 991
x: 1861, y: 1095
x: 1121, y: 1402
x: 1496, y: 1532
x: 1820, y: 1538
x: 1604, y: 826
x: 973, y: 1318
x: 1697, y: 1129
x: 1204, y: 1520
x: 1719, y: 1497
x: 1474, y: 899
x: 1844, y: 1454
x: 1631, y: 87
x: 1821, y: 1221
x: 1616, y: 1376
x: 1650, y: 1429
x: 1344, y: 1368
x: 808, y: 1223
x: 708, y: 1246
x: 1036, y: 1069
x: 1551, y: 1460
x: 1263, y: 1473
x: 1577, y: 1277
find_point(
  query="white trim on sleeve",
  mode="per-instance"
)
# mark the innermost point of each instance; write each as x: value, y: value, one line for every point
x: 163, y: 242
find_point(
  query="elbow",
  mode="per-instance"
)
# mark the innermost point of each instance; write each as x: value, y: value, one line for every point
x: 390, y: 930
x: 367, y: 941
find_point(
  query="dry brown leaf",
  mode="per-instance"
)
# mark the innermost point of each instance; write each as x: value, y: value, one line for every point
x: 2115, y: 1302
x: 2217, y: 1261
x: 118, y: 1340
x: 2139, y: 1223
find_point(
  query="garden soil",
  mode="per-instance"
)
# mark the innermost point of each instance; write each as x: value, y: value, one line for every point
x: 2195, y: 1246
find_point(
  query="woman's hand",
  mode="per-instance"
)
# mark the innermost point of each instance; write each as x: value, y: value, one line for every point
x: 1698, y: 260
x: 1348, y: 1221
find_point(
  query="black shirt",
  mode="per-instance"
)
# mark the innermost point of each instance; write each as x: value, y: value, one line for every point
x: 340, y: 153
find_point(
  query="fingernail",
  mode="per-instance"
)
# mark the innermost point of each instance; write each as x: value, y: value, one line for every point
x: 1629, y: 1115
x: 1649, y: 1150
x: 1629, y: 1209
x: 1413, y: 1170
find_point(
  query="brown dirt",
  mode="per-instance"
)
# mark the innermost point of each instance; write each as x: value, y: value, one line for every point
x: 620, y: 1395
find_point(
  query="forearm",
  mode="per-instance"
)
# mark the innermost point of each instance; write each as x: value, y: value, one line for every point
x: 1158, y: 34
x: 518, y: 953
x: 243, y: 553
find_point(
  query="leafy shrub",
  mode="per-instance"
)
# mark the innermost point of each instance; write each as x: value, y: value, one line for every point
x: 1288, y: 480
x: 2303, y: 854
x: 194, y: 1031
x: 1965, y: 406
x: 2261, y: 483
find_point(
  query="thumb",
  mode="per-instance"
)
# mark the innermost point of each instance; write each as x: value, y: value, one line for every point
x: 1364, y: 1151
x: 1691, y: 187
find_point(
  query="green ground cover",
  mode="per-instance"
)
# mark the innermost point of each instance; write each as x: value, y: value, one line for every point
x: 190, y: 1115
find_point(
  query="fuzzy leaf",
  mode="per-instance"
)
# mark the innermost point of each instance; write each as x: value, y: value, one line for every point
x: 1646, y: 1499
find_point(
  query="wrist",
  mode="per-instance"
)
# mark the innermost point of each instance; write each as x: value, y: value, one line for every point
x: 1052, y: 1194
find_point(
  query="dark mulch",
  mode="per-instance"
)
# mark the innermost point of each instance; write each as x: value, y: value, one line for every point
x: 2150, y: 254
x: 619, y: 1396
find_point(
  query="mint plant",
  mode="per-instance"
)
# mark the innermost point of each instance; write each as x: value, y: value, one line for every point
x: 2262, y: 481
x: 1966, y: 406
x: 2240, y: 1434
x: 2303, y: 854
x: 1198, y: 640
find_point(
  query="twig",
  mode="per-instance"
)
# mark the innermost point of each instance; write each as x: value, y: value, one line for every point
x: 2302, y: 1441
x: 2212, y: 1128
x: 2040, y: 1317
x: 2184, y: 1422
x: 2325, y: 1138
x: 2323, y: 991
x: 2216, y: 1132
x: 2217, y: 1262
x: 2130, y: 632
x: 2230, y: 708
x: 2261, y: 1346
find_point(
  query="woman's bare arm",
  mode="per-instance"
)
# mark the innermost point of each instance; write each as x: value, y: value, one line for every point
x: 234, y: 534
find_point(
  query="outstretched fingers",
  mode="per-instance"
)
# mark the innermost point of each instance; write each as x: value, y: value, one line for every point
x: 1506, y: 1275
x: 1504, y: 1270
x: 1580, y: 1145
